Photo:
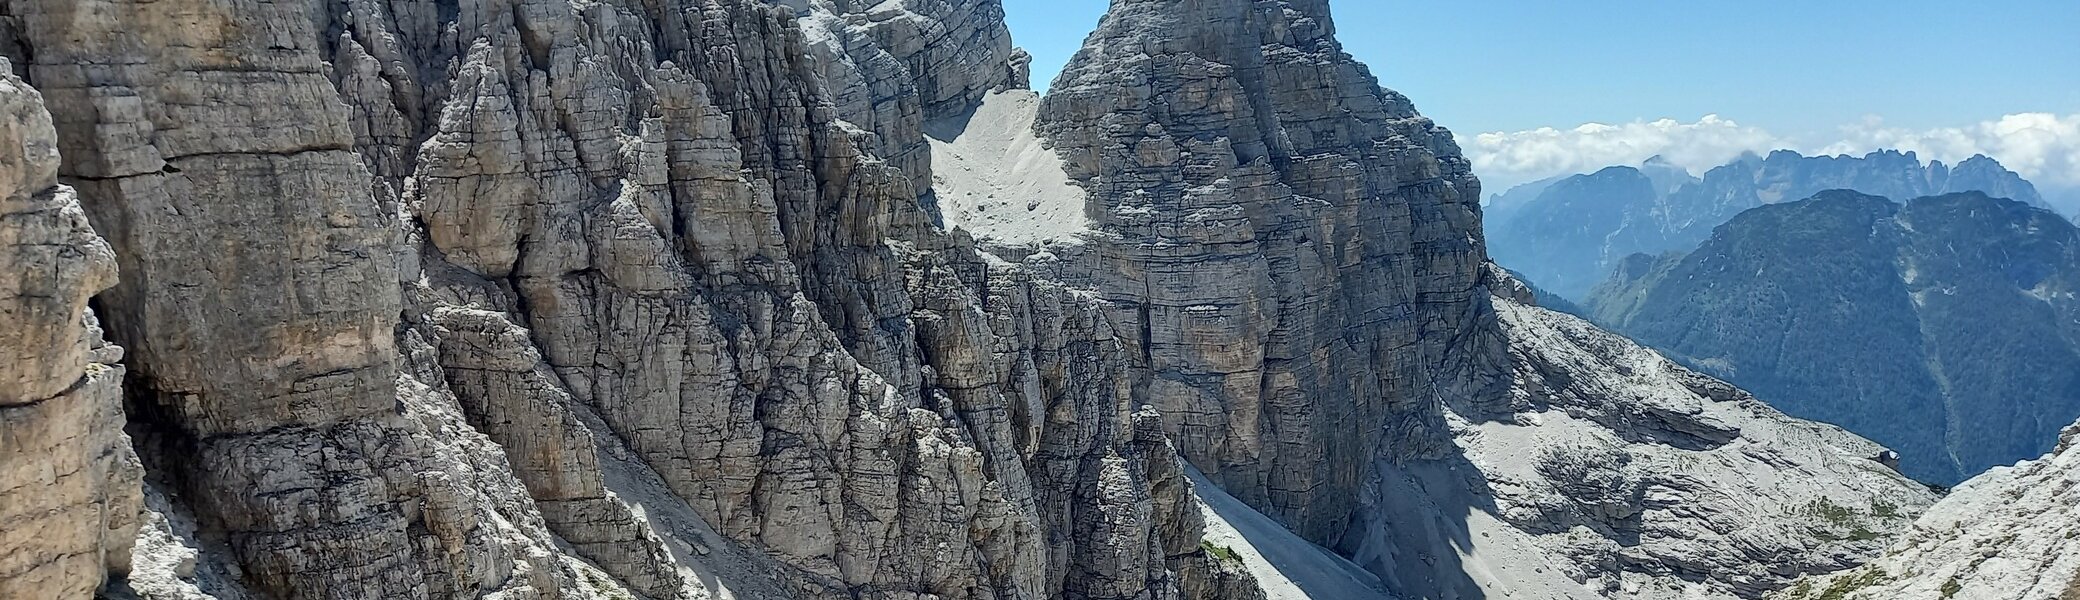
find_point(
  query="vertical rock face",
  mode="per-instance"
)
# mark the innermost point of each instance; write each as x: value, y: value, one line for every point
x: 395, y: 273
x: 69, y: 493
x: 1293, y: 246
x: 1297, y: 256
x: 258, y: 297
x: 893, y: 66
x: 576, y: 299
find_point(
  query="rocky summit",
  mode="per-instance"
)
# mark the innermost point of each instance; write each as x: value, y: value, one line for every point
x: 1941, y: 327
x: 691, y: 299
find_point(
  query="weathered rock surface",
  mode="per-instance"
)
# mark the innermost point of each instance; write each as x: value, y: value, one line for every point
x: 2012, y: 533
x: 1941, y: 326
x: 563, y: 299
x: 408, y: 283
x: 1298, y: 251
x: 1607, y: 471
x: 1293, y: 244
x: 69, y: 481
x: 893, y: 67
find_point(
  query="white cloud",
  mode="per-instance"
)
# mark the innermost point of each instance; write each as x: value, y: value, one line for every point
x: 1505, y: 159
x: 2043, y: 147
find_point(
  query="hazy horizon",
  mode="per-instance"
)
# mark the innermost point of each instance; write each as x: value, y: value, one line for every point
x: 1537, y: 90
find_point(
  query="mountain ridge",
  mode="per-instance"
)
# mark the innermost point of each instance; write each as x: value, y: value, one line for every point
x: 1916, y: 323
x: 569, y: 299
x: 1567, y: 238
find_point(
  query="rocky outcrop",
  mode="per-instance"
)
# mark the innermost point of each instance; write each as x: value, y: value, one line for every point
x: 2012, y: 533
x: 1940, y: 326
x: 558, y: 299
x: 1607, y: 471
x: 258, y: 299
x: 893, y: 67
x: 1292, y: 245
x: 1298, y: 255
x: 69, y: 481
x: 1569, y: 234
x: 408, y: 284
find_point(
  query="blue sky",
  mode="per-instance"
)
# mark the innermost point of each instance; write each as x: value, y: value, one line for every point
x: 1825, y: 75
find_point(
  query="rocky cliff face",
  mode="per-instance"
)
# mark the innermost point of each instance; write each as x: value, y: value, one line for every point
x: 555, y: 299
x: 1573, y: 232
x: 69, y: 481
x: 1295, y: 245
x: 2009, y: 534
x: 1939, y: 326
x: 422, y: 296
x: 1300, y: 253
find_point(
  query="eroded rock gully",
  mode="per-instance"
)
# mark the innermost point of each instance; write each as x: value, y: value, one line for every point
x: 652, y: 299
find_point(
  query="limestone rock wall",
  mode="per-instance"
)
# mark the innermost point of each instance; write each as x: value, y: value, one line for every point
x: 1292, y: 247
x: 69, y: 495
x: 892, y: 67
x: 257, y: 292
x: 1295, y: 256
x: 647, y: 299
x: 408, y: 282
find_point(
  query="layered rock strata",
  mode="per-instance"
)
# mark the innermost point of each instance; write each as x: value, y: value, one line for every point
x: 556, y: 299
x: 395, y: 272
x: 69, y: 481
x: 1292, y: 246
x: 1300, y: 255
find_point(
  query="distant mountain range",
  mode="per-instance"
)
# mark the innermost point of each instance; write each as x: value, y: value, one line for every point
x: 1946, y: 327
x: 1566, y: 233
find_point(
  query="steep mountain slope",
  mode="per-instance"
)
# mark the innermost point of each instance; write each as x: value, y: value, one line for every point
x: 560, y: 299
x: 394, y: 274
x: 1293, y: 243
x: 1561, y: 240
x: 1628, y: 477
x: 2012, y: 533
x: 1298, y: 251
x: 1945, y: 327
x: 1572, y: 234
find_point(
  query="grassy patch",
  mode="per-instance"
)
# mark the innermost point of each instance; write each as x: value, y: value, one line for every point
x: 1838, y: 589
x: 1884, y: 510
x: 1218, y: 551
x: 1833, y: 514
x: 1846, y: 524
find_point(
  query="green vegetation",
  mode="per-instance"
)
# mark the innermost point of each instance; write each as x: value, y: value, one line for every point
x: 1951, y: 587
x: 1838, y: 517
x: 1834, y: 514
x: 1838, y: 588
x: 1218, y: 551
x: 1884, y: 510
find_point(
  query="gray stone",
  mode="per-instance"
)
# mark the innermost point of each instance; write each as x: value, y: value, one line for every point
x: 69, y: 495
